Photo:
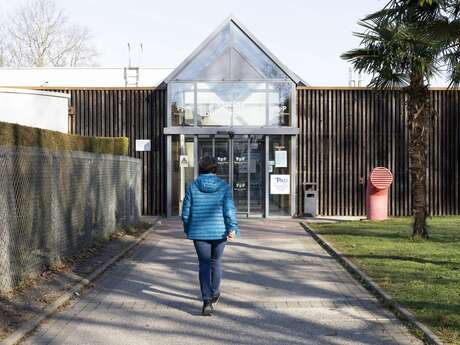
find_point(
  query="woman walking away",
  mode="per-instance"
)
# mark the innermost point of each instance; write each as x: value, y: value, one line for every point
x: 209, y: 218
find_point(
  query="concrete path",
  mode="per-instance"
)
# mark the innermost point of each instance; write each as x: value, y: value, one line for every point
x: 279, y: 287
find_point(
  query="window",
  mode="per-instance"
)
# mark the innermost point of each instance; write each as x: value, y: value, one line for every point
x: 210, y: 63
x: 214, y: 104
x: 231, y: 81
x: 280, y: 204
x: 231, y: 55
x: 182, y: 103
x: 231, y: 104
x: 255, y: 56
x: 250, y: 105
x: 279, y: 104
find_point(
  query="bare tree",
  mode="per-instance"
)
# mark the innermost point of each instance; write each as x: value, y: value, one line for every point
x: 40, y: 34
x: 3, y: 46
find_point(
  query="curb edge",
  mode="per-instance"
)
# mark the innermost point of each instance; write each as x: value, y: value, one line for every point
x: 370, y: 285
x: 49, y: 310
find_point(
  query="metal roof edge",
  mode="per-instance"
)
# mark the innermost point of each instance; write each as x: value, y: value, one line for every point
x: 102, y: 88
x: 34, y: 92
x: 367, y: 88
x: 5, y: 68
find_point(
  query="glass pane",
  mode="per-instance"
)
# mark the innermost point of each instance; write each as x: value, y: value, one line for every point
x: 280, y: 204
x: 240, y: 174
x: 247, y: 104
x: 219, y: 69
x: 182, y: 103
x: 181, y: 174
x: 204, y: 147
x: 197, y: 68
x: 257, y: 58
x: 241, y: 69
x: 279, y: 104
x: 257, y: 175
x: 215, y: 104
x: 250, y: 105
x: 223, y: 160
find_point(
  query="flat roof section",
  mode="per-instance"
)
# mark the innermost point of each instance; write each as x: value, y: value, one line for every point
x: 82, y: 77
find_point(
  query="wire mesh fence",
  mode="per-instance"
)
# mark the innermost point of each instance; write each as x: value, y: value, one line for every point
x: 54, y: 204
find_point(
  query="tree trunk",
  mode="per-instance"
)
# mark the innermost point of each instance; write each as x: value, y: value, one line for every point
x: 419, y: 120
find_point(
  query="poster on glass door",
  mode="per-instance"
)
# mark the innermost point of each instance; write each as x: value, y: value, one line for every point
x: 281, y: 159
x: 280, y: 184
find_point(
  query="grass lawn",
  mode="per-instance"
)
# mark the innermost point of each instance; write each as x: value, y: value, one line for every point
x: 424, y: 276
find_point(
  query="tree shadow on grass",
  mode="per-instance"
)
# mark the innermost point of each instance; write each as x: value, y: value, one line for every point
x: 390, y: 234
x: 401, y: 258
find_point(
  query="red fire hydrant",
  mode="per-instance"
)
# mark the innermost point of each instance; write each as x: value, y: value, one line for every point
x: 379, y: 181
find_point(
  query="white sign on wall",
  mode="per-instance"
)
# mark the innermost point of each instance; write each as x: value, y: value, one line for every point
x: 142, y: 145
x: 280, y: 184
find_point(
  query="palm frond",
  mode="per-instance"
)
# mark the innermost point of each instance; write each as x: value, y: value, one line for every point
x: 390, y: 50
x: 389, y: 80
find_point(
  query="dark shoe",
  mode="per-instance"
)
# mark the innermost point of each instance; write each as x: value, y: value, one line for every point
x: 215, y: 299
x: 207, y: 308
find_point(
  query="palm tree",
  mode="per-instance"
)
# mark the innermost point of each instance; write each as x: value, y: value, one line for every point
x: 403, y: 46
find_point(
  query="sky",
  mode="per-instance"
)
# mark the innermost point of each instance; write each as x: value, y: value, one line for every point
x: 308, y: 36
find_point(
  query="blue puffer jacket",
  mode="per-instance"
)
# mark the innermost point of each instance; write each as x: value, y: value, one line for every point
x: 208, y: 211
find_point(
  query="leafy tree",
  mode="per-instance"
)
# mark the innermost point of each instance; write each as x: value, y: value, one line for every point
x: 405, y: 45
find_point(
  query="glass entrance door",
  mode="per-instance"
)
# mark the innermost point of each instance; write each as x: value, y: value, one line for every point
x: 218, y: 148
x: 249, y: 174
x: 257, y: 175
x: 241, y: 176
x: 222, y: 154
x: 257, y: 167
x: 241, y: 163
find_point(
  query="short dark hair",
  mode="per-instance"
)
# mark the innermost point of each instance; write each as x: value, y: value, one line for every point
x: 208, y: 165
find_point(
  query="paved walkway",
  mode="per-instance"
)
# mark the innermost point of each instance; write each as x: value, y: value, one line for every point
x: 279, y: 287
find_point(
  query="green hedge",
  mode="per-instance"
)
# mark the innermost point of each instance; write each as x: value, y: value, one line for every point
x: 16, y: 135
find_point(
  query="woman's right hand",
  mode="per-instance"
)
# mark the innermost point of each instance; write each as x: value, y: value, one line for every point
x: 231, y: 236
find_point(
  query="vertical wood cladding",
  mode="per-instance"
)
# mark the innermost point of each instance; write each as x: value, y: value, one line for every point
x: 345, y: 133
x: 134, y: 113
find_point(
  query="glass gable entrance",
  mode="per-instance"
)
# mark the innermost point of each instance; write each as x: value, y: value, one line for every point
x: 227, y: 99
x: 231, y: 55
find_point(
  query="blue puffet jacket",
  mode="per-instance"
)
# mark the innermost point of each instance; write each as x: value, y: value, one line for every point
x: 208, y: 211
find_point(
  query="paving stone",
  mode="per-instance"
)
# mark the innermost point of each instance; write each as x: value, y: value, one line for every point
x: 279, y: 287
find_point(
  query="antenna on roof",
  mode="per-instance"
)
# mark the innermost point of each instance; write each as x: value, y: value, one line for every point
x: 351, y: 81
x: 360, y: 79
x: 355, y: 78
x: 131, y: 73
x: 141, y: 54
x: 129, y: 55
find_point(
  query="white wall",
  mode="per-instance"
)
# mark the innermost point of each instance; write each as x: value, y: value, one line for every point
x: 79, y: 76
x: 42, y: 109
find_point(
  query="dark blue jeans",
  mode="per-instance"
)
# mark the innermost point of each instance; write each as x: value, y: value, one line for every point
x: 209, y: 258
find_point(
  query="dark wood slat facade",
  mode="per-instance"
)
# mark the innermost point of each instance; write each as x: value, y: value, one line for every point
x: 136, y: 114
x: 344, y: 133
x: 347, y: 132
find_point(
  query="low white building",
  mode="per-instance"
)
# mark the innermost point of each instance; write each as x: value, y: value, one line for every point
x: 49, y: 110
x: 34, y: 108
x: 82, y: 76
